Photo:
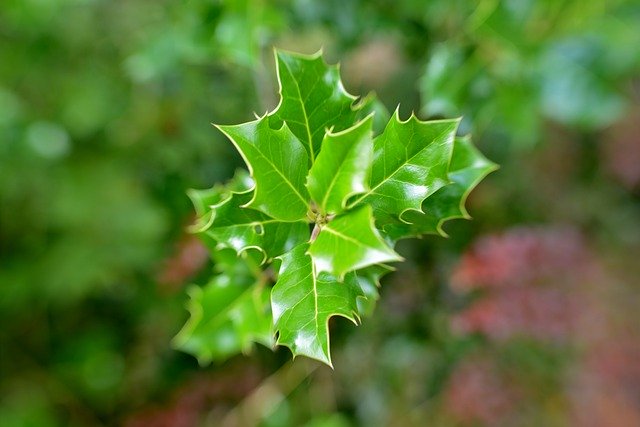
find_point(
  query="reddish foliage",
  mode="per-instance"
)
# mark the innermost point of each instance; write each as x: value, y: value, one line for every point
x: 522, y: 257
x: 544, y: 283
x: 198, y: 397
x: 539, y: 313
x: 479, y: 393
x: 528, y: 276
x: 621, y: 151
x: 606, y: 388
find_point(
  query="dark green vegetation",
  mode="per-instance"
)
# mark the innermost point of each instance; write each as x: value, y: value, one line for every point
x: 105, y: 112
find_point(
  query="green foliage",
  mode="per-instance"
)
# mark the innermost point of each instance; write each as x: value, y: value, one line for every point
x: 411, y: 163
x: 341, y: 170
x: 104, y: 121
x: 229, y: 314
x: 315, y: 163
x: 278, y: 164
x: 312, y: 100
x: 303, y: 300
x: 350, y: 242
x: 508, y: 67
x: 467, y: 168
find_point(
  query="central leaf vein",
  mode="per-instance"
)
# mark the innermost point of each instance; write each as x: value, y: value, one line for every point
x: 284, y: 178
x: 306, y: 117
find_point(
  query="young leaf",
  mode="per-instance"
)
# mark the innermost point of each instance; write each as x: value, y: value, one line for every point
x: 312, y: 99
x: 242, y: 228
x: 302, y: 303
x: 350, y: 242
x: 411, y: 161
x: 278, y: 164
x: 227, y: 316
x: 342, y: 167
x: 468, y: 168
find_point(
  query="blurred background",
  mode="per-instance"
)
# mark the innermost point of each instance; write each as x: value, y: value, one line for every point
x: 526, y: 316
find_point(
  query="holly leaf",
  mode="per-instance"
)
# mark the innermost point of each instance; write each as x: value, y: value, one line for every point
x: 342, y: 168
x: 411, y: 161
x: 240, y: 182
x: 468, y: 168
x: 251, y: 318
x: 278, y: 164
x: 370, y: 104
x: 302, y: 302
x: 312, y: 162
x: 369, y: 282
x: 350, y: 242
x: 203, y: 199
x: 240, y: 228
x: 312, y: 99
x: 228, y: 315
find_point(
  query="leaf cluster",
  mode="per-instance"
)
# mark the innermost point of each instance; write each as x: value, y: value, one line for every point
x: 324, y: 202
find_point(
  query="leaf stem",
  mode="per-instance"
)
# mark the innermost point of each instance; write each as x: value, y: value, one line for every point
x: 316, y: 230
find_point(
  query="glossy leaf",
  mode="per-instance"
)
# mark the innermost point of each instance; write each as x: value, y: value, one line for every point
x: 203, y: 199
x: 277, y: 162
x: 243, y: 228
x: 411, y: 161
x: 369, y: 282
x: 468, y: 168
x: 342, y: 167
x: 303, y: 301
x: 228, y: 315
x: 312, y: 99
x: 350, y: 242
x: 370, y: 104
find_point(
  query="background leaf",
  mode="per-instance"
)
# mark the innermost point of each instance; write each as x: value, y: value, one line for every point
x: 203, y: 199
x: 228, y: 315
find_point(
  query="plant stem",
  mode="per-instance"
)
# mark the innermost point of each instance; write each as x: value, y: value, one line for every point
x: 316, y: 230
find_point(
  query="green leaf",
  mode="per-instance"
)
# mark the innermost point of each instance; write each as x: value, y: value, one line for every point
x: 468, y: 168
x: 240, y: 228
x: 342, y: 168
x: 228, y: 315
x: 411, y: 161
x: 369, y: 282
x: 350, y: 242
x: 203, y: 199
x: 252, y: 318
x: 370, y: 104
x: 302, y: 303
x: 278, y: 164
x: 313, y: 160
x: 312, y: 99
